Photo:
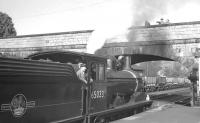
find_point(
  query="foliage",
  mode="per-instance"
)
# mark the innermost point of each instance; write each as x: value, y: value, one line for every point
x: 168, y: 68
x: 6, y: 26
x: 175, y: 69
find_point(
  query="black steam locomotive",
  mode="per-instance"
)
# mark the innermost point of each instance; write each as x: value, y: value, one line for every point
x: 44, y: 88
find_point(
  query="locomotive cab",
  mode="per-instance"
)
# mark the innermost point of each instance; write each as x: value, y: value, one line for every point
x: 94, y: 92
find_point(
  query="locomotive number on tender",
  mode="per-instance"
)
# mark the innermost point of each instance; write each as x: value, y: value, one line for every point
x: 97, y: 94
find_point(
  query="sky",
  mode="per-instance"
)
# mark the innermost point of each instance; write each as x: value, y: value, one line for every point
x: 107, y: 17
x: 46, y: 16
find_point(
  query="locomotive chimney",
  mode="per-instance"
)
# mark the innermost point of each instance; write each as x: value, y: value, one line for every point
x: 127, y: 63
x: 109, y: 64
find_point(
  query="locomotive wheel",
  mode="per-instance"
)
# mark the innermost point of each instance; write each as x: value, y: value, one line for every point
x: 100, y: 120
x: 118, y: 101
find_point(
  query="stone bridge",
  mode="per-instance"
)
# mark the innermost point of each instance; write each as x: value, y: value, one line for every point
x: 173, y: 41
x: 176, y: 41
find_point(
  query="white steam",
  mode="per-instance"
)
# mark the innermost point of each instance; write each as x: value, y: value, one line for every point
x: 99, y: 36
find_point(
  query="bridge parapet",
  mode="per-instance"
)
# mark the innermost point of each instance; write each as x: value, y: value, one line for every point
x: 172, y: 31
x: 22, y: 46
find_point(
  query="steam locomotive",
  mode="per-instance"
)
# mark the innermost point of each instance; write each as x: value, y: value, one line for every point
x: 44, y: 88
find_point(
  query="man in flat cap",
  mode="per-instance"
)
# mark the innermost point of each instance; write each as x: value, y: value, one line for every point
x: 81, y: 73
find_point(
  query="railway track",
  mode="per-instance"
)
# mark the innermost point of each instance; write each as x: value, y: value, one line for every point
x: 175, y: 98
x: 178, y: 96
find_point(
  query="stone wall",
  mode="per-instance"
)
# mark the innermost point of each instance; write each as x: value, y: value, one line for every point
x: 184, y: 38
x: 166, y: 32
x: 21, y: 46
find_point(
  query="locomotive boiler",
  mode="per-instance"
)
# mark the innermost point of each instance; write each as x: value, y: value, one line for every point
x: 44, y: 88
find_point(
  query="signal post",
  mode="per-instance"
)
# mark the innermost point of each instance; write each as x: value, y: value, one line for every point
x: 194, y: 77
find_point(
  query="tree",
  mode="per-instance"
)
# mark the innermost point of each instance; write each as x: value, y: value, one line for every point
x: 6, y: 26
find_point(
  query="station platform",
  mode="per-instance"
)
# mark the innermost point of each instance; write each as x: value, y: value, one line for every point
x: 165, y: 113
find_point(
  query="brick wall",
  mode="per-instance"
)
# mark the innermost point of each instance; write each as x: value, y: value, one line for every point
x: 25, y: 45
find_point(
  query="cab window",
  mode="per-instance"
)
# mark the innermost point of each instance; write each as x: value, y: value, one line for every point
x: 97, y: 71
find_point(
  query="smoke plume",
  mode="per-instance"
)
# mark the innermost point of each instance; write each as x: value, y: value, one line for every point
x: 149, y: 10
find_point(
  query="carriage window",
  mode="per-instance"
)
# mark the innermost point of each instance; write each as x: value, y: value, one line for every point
x: 97, y: 71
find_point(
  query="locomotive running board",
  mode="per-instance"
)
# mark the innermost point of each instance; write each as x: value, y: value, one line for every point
x: 69, y: 119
